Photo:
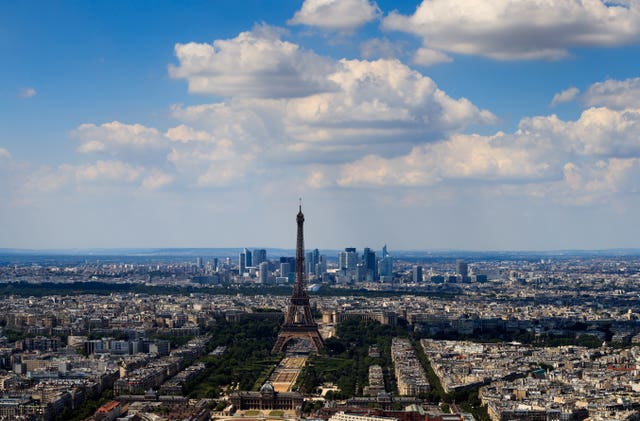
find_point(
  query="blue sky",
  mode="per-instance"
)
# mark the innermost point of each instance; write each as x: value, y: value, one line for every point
x: 473, y: 124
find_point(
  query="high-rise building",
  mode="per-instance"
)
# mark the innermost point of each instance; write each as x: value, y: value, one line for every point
x: 248, y: 260
x: 199, y: 262
x: 285, y: 269
x: 462, y: 268
x: 386, y: 264
x: 259, y: 256
x: 308, y: 263
x: 311, y: 261
x: 290, y: 260
x: 263, y: 267
x: 321, y: 266
x: 348, y: 259
x: 370, y: 264
x: 242, y: 266
x: 417, y: 274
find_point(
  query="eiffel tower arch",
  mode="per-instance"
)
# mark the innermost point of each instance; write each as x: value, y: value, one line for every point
x: 299, y: 326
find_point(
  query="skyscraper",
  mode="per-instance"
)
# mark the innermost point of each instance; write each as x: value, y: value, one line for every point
x: 370, y: 264
x: 285, y: 269
x: 386, y: 265
x: 308, y: 263
x: 259, y: 256
x: 348, y: 259
x: 417, y: 274
x: 263, y: 267
x: 248, y: 260
x: 321, y: 266
x: 462, y: 268
x: 242, y: 266
x: 312, y: 259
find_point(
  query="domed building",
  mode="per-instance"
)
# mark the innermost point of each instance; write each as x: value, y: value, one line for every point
x: 266, y: 399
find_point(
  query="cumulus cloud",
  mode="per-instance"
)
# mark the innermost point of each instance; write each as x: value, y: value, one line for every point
x: 27, y: 93
x: 253, y: 64
x: 429, y: 57
x: 379, y: 102
x: 318, y: 110
x: 573, y: 162
x: 522, y: 30
x: 586, y: 183
x: 156, y: 180
x: 615, y: 94
x: 106, y: 171
x: 567, y: 95
x: 4, y: 154
x: 224, y: 173
x: 100, y: 172
x: 115, y: 137
x: 378, y: 106
x: 380, y: 124
x: 375, y: 48
x: 336, y: 14
x: 599, y: 132
x: 490, y: 158
x: 185, y: 134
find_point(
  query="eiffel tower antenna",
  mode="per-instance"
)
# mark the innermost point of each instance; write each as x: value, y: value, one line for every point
x: 298, y: 322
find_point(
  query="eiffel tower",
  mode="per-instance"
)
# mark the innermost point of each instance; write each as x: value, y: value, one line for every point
x: 299, y: 325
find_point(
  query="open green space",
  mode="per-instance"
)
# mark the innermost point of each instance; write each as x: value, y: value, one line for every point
x: 246, y: 359
x: 345, y: 361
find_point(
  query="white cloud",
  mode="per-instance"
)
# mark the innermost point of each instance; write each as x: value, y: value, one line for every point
x: 224, y: 173
x: 185, y: 134
x: 92, y: 146
x: 100, y: 172
x: 116, y: 137
x: 472, y: 157
x: 599, y: 132
x: 27, y: 93
x: 377, y: 106
x: 378, y: 103
x: 588, y: 183
x: 429, y: 57
x: 381, y: 48
x: 156, y: 180
x: 567, y: 95
x: 253, y: 64
x: 336, y: 14
x: 4, y: 154
x: 580, y: 162
x: 104, y: 171
x: 520, y: 30
x: 615, y: 94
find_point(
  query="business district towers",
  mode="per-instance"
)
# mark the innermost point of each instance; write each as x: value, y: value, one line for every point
x: 248, y: 259
x: 352, y: 267
x: 461, y: 275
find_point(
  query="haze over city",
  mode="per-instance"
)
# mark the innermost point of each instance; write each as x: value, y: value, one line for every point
x: 475, y: 125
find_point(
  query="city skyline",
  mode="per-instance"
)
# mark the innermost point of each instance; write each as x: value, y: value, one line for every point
x: 486, y: 126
